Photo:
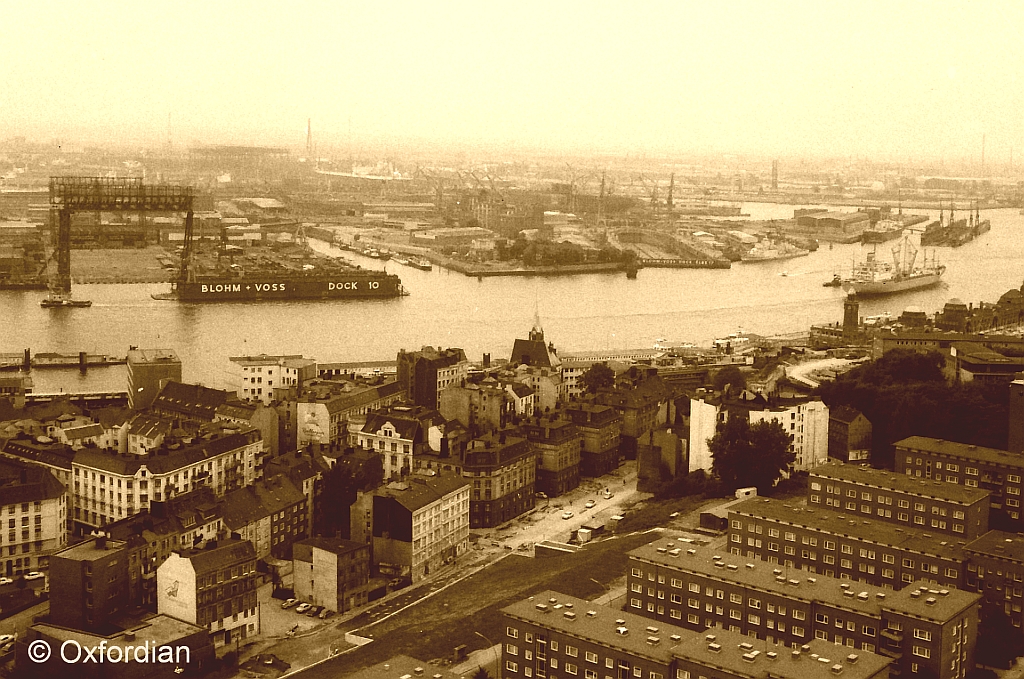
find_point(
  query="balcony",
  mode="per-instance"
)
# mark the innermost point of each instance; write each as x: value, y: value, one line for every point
x: 892, y: 634
x: 895, y: 654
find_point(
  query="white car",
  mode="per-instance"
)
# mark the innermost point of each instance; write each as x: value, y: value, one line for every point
x: 289, y: 603
x: 5, y: 581
x: 590, y: 504
x: 6, y: 638
x: 302, y: 608
x: 34, y: 575
x: 567, y: 515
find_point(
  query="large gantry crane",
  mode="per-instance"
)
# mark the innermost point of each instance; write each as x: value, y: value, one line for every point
x: 109, y: 194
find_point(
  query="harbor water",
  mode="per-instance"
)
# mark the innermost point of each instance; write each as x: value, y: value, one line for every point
x: 578, y: 313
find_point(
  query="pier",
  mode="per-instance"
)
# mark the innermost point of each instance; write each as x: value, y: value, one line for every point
x: 83, y: 360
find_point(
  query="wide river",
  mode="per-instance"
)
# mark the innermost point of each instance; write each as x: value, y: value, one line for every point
x: 586, y: 312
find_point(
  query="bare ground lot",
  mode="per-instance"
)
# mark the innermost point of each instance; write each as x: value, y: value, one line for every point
x: 128, y: 265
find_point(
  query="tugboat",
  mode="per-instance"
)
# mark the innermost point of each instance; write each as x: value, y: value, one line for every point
x: 59, y: 301
x: 836, y: 282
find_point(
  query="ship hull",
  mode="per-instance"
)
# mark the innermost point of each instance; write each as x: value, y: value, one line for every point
x: 261, y: 288
x: 888, y: 287
x: 775, y: 258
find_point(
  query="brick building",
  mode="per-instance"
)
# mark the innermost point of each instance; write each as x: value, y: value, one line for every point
x: 90, y: 580
x: 424, y: 374
x: 331, y: 572
x: 996, y: 570
x: 842, y: 545
x: 600, y: 426
x: 849, y: 435
x: 503, y: 472
x: 922, y: 504
x: 557, y: 442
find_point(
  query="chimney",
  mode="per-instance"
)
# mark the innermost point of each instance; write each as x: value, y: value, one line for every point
x: 101, y: 541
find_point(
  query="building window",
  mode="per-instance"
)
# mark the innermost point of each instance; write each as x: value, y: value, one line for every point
x: 922, y: 651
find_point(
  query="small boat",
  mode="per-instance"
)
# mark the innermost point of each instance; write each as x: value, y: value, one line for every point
x: 837, y: 281
x: 53, y: 301
x: 401, y: 260
x: 421, y: 264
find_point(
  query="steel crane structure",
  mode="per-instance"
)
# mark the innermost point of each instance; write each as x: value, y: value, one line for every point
x: 110, y: 194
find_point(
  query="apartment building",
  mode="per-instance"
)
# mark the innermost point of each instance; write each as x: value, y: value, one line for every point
x: 147, y: 368
x: 331, y: 572
x: 996, y: 571
x: 600, y: 426
x: 260, y: 378
x: 849, y: 435
x: 90, y: 580
x: 399, y: 433
x: 923, y: 504
x: 996, y: 471
x: 554, y: 635
x: 213, y: 587
x: 424, y: 374
x: 271, y: 513
x: 558, y: 443
x: 108, y: 486
x: 842, y: 545
x: 503, y: 471
x: 420, y: 524
x: 34, y: 509
x: 696, y: 587
x: 326, y: 412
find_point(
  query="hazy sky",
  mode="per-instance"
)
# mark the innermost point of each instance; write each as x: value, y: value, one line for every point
x: 899, y: 79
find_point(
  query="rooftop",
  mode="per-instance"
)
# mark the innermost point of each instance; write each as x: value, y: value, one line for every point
x: 89, y: 550
x: 218, y: 553
x: 851, y: 525
x: 419, y: 491
x: 156, y: 630
x: 401, y: 667
x: 999, y: 544
x: 601, y: 624
x: 878, y: 478
x: 740, y: 655
x: 152, y: 356
x: 962, y: 450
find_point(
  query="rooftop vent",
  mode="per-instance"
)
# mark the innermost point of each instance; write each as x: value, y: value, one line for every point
x: 569, y: 615
x: 880, y: 595
x: 543, y: 608
x: 591, y: 614
x: 622, y: 630
x: 715, y: 648
x: 796, y: 655
x: 746, y: 646
x: 847, y: 592
x: 944, y: 592
x: 772, y: 655
x: 777, y: 571
x: 675, y: 637
x: 750, y: 657
x: 930, y: 601
x: 863, y: 596
x: 824, y: 660
x: 620, y: 622
x: 129, y: 636
x: 750, y: 565
x: 418, y: 671
x: 552, y: 600
x: 568, y: 604
x: 716, y: 558
x: 691, y: 552
x: 674, y: 552
x: 812, y: 580
x: 794, y: 582
x: 844, y: 585
x: 710, y: 637
x: 806, y: 648
x: 837, y: 669
x: 653, y: 641
x: 661, y: 550
x: 559, y: 606
x: 733, y: 567
x: 915, y: 595
x: 719, y: 564
x: 852, y: 658
x: 780, y: 578
x: 652, y: 630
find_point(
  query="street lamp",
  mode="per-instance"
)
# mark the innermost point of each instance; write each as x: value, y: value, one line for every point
x: 497, y: 655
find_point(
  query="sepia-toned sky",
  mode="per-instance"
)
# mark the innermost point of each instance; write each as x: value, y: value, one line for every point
x: 900, y: 80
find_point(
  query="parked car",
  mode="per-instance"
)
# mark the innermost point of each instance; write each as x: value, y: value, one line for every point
x: 590, y: 504
x: 608, y: 495
x: 302, y: 608
x: 34, y: 575
x: 6, y: 638
x: 567, y: 515
x: 314, y: 611
x: 289, y: 603
x: 5, y: 581
x: 326, y: 613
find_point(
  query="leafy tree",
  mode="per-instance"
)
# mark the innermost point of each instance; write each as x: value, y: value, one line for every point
x: 730, y: 375
x: 999, y: 642
x: 904, y: 393
x: 598, y: 376
x: 750, y: 455
x: 482, y: 673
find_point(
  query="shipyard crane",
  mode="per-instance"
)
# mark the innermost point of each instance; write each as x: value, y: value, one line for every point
x: 671, y: 188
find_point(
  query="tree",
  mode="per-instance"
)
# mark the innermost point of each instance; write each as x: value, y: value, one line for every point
x: 999, y: 642
x: 729, y: 375
x: 341, y: 487
x: 599, y: 376
x: 482, y: 673
x: 750, y: 455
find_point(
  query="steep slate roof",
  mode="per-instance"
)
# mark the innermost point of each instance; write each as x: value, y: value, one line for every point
x: 159, y: 463
x: 407, y: 427
x: 149, y: 426
x: 190, y: 399
x: 843, y: 414
x: 533, y: 353
x: 226, y: 553
x: 260, y: 500
x: 39, y: 483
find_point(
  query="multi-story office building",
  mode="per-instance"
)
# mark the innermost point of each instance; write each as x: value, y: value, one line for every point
x: 922, y: 504
x: 600, y: 426
x: 34, y: 510
x: 271, y: 513
x: 997, y: 471
x: 842, y: 545
x: 331, y: 572
x: 555, y: 635
x: 259, y: 378
x: 557, y: 442
x: 503, y: 472
x: 108, y: 487
x: 696, y: 587
x: 424, y: 374
x: 89, y: 581
x: 420, y: 524
x: 213, y: 587
x: 147, y: 368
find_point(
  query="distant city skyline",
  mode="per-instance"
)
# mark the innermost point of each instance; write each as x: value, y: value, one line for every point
x: 918, y: 82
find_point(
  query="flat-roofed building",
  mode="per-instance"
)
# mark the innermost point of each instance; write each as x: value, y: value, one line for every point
x: 147, y: 368
x: 698, y: 587
x: 600, y: 426
x: 991, y: 469
x: 996, y: 570
x: 840, y: 544
x: 331, y: 572
x: 922, y: 504
x: 90, y: 582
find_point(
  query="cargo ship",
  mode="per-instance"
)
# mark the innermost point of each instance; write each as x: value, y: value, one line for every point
x: 874, y: 278
x: 283, y: 276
